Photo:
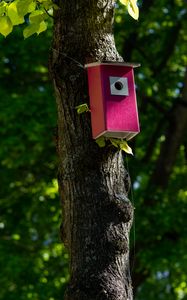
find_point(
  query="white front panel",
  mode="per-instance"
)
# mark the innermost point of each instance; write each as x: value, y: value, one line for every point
x: 119, y: 86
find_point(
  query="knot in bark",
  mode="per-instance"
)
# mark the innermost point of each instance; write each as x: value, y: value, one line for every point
x: 120, y: 209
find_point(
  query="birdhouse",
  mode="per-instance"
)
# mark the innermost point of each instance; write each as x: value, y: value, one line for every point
x: 113, y: 100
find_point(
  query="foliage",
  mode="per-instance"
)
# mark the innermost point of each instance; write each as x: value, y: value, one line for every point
x: 117, y: 143
x: 82, y: 108
x: 158, y: 42
x: 122, y: 145
x: 33, y: 260
x: 132, y: 8
x: 35, y: 14
x: 32, y: 12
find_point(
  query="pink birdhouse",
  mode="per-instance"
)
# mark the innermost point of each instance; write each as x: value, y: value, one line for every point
x: 113, y: 100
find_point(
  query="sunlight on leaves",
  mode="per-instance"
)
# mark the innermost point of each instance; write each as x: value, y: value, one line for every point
x: 16, y: 237
x: 124, y: 2
x: 3, y: 6
x: 42, y: 27
x: 118, y: 143
x: 132, y: 8
x: 52, y: 189
x: 25, y: 7
x: 12, y: 12
x: 122, y: 145
x: 5, y: 25
x: 125, y: 147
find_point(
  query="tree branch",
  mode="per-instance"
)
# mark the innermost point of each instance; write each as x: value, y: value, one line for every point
x: 153, y: 140
x: 174, y: 137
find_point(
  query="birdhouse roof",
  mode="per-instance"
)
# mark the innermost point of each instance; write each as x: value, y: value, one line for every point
x: 113, y: 63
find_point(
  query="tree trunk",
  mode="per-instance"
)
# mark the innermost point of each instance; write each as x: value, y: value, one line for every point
x: 93, y: 182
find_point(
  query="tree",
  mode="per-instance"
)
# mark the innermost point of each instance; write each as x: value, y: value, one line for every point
x: 158, y: 247
x: 93, y: 182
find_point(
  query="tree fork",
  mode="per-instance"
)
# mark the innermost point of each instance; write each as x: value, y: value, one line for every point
x: 93, y: 181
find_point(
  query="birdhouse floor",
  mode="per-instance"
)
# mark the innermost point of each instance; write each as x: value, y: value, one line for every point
x: 118, y: 134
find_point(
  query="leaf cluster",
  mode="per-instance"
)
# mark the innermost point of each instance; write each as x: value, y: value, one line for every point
x: 35, y: 13
x: 32, y: 12
x: 117, y: 143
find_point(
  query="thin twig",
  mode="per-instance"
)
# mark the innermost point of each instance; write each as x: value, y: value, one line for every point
x: 49, y: 14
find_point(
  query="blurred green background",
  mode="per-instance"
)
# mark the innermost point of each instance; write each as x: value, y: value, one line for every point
x: 33, y: 261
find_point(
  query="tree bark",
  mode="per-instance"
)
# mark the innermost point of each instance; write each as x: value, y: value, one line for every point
x: 93, y: 181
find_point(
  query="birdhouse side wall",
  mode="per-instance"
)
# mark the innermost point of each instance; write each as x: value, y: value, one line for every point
x: 95, y: 81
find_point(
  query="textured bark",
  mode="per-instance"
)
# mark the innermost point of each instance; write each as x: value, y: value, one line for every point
x: 93, y: 182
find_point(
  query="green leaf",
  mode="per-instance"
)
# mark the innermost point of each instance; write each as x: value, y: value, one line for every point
x: 122, y: 144
x: 124, y: 2
x: 132, y: 7
x: 12, y: 12
x: 125, y: 147
x: 42, y: 27
x: 82, y: 108
x: 34, y: 28
x: 115, y: 142
x: 25, y: 6
x: 31, y: 6
x: 48, y: 4
x: 101, y: 142
x: 37, y: 16
x: 5, y: 25
x: 30, y: 30
x: 3, y: 6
